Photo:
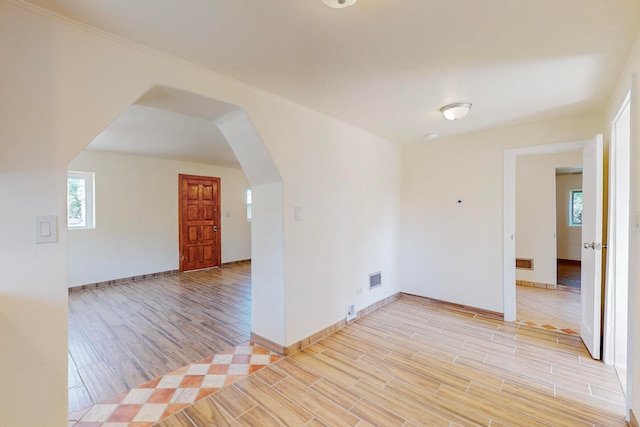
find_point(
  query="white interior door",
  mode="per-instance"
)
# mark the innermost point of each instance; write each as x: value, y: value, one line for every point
x: 591, y: 278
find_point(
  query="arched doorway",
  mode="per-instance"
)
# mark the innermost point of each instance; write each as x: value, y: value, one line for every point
x: 235, y: 127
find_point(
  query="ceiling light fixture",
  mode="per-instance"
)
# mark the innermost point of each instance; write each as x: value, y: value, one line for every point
x: 456, y: 111
x: 339, y: 4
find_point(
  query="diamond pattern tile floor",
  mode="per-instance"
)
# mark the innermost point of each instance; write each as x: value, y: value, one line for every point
x: 548, y: 327
x: 553, y: 310
x: 156, y: 400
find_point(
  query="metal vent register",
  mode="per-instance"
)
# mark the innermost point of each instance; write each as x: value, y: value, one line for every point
x: 524, y: 264
x: 375, y: 280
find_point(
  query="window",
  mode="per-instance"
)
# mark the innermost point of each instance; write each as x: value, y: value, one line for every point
x: 80, y: 200
x: 249, y: 213
x: 575, y: 208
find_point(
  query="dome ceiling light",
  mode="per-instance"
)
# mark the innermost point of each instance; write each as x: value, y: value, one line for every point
x: 456, y: 111
x: 339, y: 4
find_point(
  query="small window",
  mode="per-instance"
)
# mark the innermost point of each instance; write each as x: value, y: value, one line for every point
x: 80, y: 200
x: 249, y: 213
x: 575, y: 208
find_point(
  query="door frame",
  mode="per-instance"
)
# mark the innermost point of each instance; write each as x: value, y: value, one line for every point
x: 218, y: 233
x: 509, y: 215
x: 618, y: 265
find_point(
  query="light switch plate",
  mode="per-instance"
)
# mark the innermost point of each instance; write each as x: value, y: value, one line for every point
x: 45, y: 229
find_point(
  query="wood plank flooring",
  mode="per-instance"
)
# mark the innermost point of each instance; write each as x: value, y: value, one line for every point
x: 415, y: 363
x: 569, y: 273
x: 125, y: 335
x: 559, y: 308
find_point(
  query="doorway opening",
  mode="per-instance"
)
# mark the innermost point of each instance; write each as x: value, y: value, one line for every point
x: 569, y: 228
x: 548, y: 234
x: 144, y: 331
x: 591, y: 291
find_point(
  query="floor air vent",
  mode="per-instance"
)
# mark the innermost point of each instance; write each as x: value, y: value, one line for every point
x: 524, y: 263
x: 375, y: 280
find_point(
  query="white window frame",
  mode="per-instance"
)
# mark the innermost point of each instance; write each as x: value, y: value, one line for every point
x: 89, y: 202
x: 571, y: 193
x: 249, y: 197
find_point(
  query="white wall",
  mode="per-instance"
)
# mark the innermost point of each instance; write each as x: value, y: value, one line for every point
x: 137, y: 216
x: 61, y: 85
x: 569, y: 237
x: 453, y: 251
x: 536, y: 212
x: 359, y: 227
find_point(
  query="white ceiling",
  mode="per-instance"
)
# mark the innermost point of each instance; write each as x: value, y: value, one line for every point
x: 161, y: 124
x: 387, y: 66
x: 161, y: 133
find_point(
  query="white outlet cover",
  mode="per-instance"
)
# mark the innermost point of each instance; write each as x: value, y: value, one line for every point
x: 297, y: 213
x: 351, y: 312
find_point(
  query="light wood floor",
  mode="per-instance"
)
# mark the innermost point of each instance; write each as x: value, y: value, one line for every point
x: 125, y: 335
x: 561, y: 309
x: 408, y: 363
x: 414, y: 363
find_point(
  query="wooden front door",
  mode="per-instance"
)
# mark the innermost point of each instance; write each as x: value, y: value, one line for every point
x: 199, y: 221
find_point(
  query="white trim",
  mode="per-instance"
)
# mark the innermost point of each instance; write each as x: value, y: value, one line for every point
x: 608, y: 356
x: 571, y: 193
